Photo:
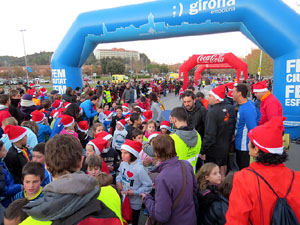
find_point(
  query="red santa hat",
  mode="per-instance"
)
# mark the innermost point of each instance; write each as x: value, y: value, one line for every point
x: 229, y: 94
x: 125, y: 105
x: 127, y: 117
x: 272, y: 142
x: 148, y: 115
x: 56, y: 104
x: 43, y: 90
x: 134, y: 147
x: 37, y: 116
x: 165, y: 124
x: 142, y: 110
x: 54, y: 113
x: 66, y: 104
x: 260, y: 87
x: 31, y: 92
x: 219, y: 92
x: 67, y: 120
x: 83, y: 126
x: 103, y: 135
x: 122, y: 123
x: 108, y: 113
x: 60, y: 112
x: 80, y: 110
x: 98, y: 144
x: 31, y: 84
x: 153, y: 135
x: 15, y: 133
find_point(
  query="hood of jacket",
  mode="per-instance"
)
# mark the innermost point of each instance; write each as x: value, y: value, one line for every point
x: 188, y: 134
x: 3, y: 107
x: 63, y: 197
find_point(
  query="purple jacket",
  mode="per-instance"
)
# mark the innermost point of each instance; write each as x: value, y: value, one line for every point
x: 168, y: 185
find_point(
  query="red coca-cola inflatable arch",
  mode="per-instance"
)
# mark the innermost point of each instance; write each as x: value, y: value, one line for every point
x: 203, y: 67
x: 221, y: 58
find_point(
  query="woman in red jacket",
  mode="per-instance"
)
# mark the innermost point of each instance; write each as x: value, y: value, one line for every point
x: 251, y: 199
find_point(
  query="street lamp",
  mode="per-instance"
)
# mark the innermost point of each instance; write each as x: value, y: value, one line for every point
x: 22, y: 31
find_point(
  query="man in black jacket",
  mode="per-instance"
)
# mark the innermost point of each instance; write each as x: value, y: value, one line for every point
x: 216, y: 137
x: 196, y: 112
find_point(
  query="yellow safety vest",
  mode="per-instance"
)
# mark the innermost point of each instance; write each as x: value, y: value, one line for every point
x: 108, y: 195
x: 184, y: 152
x: 108, y: 97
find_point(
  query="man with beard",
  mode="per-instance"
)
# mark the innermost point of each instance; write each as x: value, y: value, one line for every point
x: 196, y: 112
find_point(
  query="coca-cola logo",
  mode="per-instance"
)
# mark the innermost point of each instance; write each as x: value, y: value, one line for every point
x: 216, y: 58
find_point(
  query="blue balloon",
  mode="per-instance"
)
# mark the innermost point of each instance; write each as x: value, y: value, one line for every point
x: 270, y: 24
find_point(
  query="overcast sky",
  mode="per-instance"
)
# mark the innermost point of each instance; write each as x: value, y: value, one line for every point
x: 46, y: 22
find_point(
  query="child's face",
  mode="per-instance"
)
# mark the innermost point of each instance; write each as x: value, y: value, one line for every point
x: 214, y: 177
x: 129, y: 122
x: 89, y: 150
x: 22, y: 142
x: 109, y: 141
x: 32, y: 184
x: 3, y: 152
x: 163, y: 130
x: 93, y: 171
x: 106, y: 108
x: 98, y: 130
x: 114, y: 105
x: 125, y: 156
x: 119, y: 113
x: 139, y: 121
x: 120, y: 127
x: 150, y: 128
x: 38, y: 157
x: 139, y: 138
x: 125, y: 110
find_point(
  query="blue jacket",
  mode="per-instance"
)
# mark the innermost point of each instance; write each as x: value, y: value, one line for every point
x: 48, y: 178
x: 168, y: 185
x: 88, y: 109
x: 56, y: 129
x: 10, y: 188
x: 44, y: 130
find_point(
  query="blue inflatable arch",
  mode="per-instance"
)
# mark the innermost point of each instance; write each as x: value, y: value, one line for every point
x: 270, y: 24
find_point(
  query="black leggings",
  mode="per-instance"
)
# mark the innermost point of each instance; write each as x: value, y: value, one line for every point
x: 135, y: 216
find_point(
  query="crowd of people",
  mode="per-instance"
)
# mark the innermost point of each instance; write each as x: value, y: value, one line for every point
x: 104, y: 155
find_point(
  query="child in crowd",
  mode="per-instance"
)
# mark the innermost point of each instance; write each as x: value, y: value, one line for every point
x: 133, y: 179
x: 119, y: 116
x: 108, y: 120
x: 97, y: 128
x: 18, y: 155
x: 114, y: 107
x: 101, y: 116
x: 125, y: 109
x: 53, y: 115
x: 128, y: 121
x: 44, y: 129
x: 14, y: 213
x: 38, y: 155
x: 8, y: 184
x: 119, y: 135
x: 147, y: 154
x: 94, y: 165
x: 104, y: 179
x: 165, y: 127
x: 137, y: 135
x: 47, y: 109
x: 151, y: 127
x: 69, y: 125
x: 33, y: 174
x: 83, y: 128
x: 136, y: 123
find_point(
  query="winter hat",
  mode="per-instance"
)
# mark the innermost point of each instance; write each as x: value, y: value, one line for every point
x: 27, y: 97
x: 15, y: 133
x: 31, y: 84
x: 219, y: 92
x: 66, y: 104
x: 127, y: 117
x: 122, y: 123
x: 125, y: 105
x: 98, y: 144
x: 148, y: 115
x: 142, y: 110
x: 54, y: 113
x: 83, y: 126
x: 165, y: 124
x: 108, y: 113
x: 134, y: 147
x: 103, y: 135
x: 37, y: 116
x: 153, y: 135
x: 31, y: 92
x: 56, y: 104
x: 80, y: 110
x: 67, y: 120
x: 230, y: 86
x: 60, y: 112
x: 229, y: 94
x: 43, y: 90
x: 271, y: 143
x: 260, y: 86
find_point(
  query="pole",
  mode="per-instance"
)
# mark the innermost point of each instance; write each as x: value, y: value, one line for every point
x: 22, y: 31
x: 260, y: 61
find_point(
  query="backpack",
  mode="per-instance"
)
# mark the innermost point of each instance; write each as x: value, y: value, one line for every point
x: 282, y: 212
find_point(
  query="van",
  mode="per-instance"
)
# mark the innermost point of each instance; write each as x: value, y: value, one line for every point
x: 118, y: 78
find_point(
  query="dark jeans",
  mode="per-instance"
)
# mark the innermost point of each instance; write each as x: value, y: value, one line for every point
x: 135, y: 217
x: 242, y: 159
